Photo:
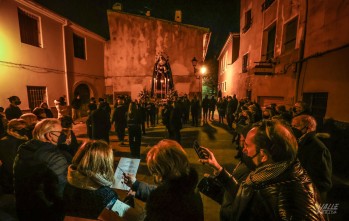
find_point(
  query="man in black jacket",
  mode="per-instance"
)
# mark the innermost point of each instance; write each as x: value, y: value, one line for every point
x: 40, y: 174
x: 119, y: 117
x: 279, y: 188
x: 100, y: 123
x: 314, y: 156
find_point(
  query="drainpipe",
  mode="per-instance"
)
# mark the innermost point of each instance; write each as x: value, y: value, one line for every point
x: 65, y: 62
x: 301, y: 52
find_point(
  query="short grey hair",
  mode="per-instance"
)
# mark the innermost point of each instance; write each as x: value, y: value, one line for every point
x: 306, y: 120
x: 43, y: 127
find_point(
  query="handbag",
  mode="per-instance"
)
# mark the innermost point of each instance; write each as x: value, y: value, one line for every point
x: 211, y: 187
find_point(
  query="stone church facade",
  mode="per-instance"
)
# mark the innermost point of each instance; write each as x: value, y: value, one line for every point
x: 146, y: 53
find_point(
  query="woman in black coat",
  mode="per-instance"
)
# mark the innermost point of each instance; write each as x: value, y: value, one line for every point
x: 176, y: 197
x: 134, y: 130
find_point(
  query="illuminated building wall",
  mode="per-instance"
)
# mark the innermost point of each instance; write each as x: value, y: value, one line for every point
x: 135, y: 43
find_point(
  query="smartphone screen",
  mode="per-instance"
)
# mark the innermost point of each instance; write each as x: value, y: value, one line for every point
x: 198, y: 150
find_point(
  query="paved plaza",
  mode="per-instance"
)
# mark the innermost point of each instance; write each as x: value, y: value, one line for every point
x: 212, y: 135
x: 218, y: 138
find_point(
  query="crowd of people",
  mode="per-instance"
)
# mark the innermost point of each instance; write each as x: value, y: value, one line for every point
x: 284, y: 174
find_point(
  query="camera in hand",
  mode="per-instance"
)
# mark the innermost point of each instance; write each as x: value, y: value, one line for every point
x: 199, y: 151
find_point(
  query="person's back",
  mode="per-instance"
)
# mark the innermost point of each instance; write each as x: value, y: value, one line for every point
x: 13, y: 111
x: 8, y: 150
x: 176, y: 197
x: 90, y: 177
x: 176, y: 200
x: 40, y: 174
x: 100, y: 122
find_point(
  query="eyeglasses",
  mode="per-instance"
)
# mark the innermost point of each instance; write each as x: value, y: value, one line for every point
x: 54, y: 131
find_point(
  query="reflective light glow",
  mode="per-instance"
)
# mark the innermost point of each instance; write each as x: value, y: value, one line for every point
x: 203, y: 70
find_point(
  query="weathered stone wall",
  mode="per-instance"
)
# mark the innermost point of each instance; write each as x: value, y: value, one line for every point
x: 135, y: 41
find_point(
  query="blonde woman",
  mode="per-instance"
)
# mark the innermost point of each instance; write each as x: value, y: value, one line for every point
x: 175, y: 197
x: 90, y: 177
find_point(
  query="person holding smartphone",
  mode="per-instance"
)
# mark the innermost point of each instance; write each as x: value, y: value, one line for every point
x: 279, y: 188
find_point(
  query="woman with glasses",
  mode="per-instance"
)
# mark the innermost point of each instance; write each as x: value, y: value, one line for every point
x: 40, y: 172
x: 279, y: 188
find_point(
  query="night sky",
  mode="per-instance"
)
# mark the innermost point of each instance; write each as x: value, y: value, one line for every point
x: 220, y: 16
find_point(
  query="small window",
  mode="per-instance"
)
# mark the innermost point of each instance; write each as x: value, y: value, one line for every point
x: 79, y: 47
x: 36, y: 95
x: 226, y: 60
x: 225, y: 86
x: 290, y: 35
x: 248, y: 21
x: 266, y: 4
x: 245, y: 63
x: 29, y: 28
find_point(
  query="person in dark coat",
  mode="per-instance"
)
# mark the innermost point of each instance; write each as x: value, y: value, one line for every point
x: 90, y: 178
x: 119, y: 117
x: 314, y: 156
x: 100, y: 123
x: 212, y: 108
x: 16, y: 135
x: 205, y: 105
x: 279, y: 188
x: 195, y: 111
x: 221, y: 107
x: 134, y: 130
x: 47, y: 110
x: 39, y: 113
x: 92, y: 106
x: 31, y: 120
x: 40, y: 174
x: 175, y: 123
x: 143, y: 114
x: 3, y: 123
x: 13, y: 111
x: 67, y: 142
x: 176, y: 197
x: 76, y: 107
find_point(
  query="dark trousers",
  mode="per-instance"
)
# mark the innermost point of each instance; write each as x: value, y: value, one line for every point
x: 211, y: 114
x: 143, y: 127
x: 120, y: 131
x: 230, y: 119
x: 175, y: 135
x: 135, y: 138
x: 205, y: 114
x: 195, y: 119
